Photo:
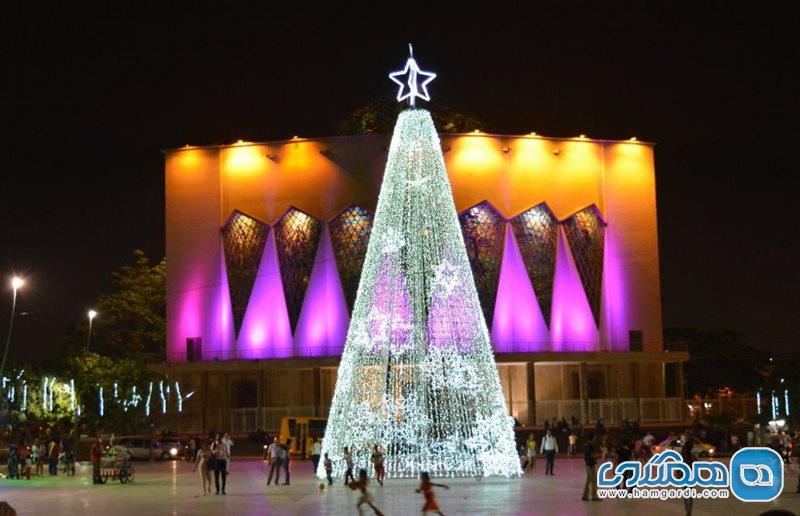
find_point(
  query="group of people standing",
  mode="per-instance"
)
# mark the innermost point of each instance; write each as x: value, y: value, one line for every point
x: 26, y: 461
x: 214, y: 455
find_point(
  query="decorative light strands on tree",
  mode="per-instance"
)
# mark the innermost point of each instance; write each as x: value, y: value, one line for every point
x: 100, y: 406
x: 163, y: 397
x: 149, y: 397
x: 418, y: 374
x: 24, y: 397
x: 72, y: 394
x: 178, y: 397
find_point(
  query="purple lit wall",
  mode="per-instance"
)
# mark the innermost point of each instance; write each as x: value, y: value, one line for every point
x: 572, y: 327
x: 614, y: 306
x: 322, y: 326
x: 265, y: 329
x: 518, y: 324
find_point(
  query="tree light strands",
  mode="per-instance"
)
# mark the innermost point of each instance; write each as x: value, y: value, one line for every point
x: 72, y: 394
x: 149, y: 396
x: 786, y: 400
x: 758, y: 402
x: 417, y: 375
x: 116, y: 391
x: 163, y: 397
x: 774, y: 400
x: 178, y: 397
x: 24, y: 397
x: 412, y: 71
x: 100, y: 407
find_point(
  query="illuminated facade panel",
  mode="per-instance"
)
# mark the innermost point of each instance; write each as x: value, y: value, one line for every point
x: 536, y: 231
x: 484, y: 230
x: 350, y: 231
x: 585, y: 232
x: 243, y: 239
x: 296, y: 236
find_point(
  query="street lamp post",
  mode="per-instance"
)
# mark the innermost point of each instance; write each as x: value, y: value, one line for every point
x: 92, y: 314
x: 16, y: 283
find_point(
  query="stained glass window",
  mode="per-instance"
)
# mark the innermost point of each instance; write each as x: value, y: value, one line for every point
x: 585, y: 232
x: 243, y: 239
x: 350, y: 232
x: 484, y: 235
x: 536, y: 231
x: 296, y: 235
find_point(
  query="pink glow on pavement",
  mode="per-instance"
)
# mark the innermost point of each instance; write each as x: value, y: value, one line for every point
x: 322, y: 326
x: 518, y: 325
x: 572, y: 326
x: 266, y: 332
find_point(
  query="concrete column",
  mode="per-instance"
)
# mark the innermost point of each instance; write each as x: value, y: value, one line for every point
x: 636, y: 388
x: 681, y: 380
x: 204, y: 400
x: 583, y: 392
x: 316, y: 395
x: 531, y: 393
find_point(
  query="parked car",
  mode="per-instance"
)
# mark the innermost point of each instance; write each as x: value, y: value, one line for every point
x: 140, y: 448
x: 700, y: 449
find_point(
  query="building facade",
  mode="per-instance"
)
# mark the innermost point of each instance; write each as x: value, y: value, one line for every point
x: 265, y: 243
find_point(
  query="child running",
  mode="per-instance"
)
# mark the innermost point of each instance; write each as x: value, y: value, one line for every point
x: 328, y: 463
x: 430, y: 498
x: 366, y: 497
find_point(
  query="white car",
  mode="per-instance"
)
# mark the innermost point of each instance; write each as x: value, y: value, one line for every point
x: 140, y: 449
x: 699, y: 450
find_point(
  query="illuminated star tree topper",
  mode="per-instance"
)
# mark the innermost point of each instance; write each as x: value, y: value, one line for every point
x: 409, y: 86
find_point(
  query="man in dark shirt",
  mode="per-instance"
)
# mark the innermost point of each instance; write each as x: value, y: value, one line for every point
x: 624, y: 455
x: 590, y: 456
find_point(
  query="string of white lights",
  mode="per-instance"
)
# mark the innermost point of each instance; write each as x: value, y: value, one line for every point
x: 417, y: 375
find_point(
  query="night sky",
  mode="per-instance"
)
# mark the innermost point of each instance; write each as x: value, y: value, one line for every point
x: 91, y: 96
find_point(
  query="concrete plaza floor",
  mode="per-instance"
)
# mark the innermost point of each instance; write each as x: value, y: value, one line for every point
x: 172, y: 488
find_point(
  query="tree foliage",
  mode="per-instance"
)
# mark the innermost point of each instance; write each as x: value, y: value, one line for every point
x: 131, y: 320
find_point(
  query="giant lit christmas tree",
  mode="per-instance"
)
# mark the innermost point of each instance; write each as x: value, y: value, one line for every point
x: 417, y: 375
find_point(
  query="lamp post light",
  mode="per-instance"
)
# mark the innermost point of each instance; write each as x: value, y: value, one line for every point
x: 16, y: 284
x: 92, y: 314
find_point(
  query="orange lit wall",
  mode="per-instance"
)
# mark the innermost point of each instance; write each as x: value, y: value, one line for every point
x: 323, y: 176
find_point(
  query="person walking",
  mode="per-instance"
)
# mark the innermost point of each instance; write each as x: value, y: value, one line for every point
x: 647, y: 443
x: 377, y: 461
x: 572, y: 449
x: 274, y: 460
x: 13, y: 461
x: 734, y: 443
x: 328, y: 463
x: 688, y: 459
x: 286, y: 456
x: 348, y: 461
x: 52, y: 456
x: 531, y: 453
x: 590, y: 456
x: 39, y: 452
x: 191, y: 450
x: 202, y: 463
x: 227, y: 444
x: 95, y: 454
x: 549, y: 448
x: 316, y: 451
x: 220, y: 464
